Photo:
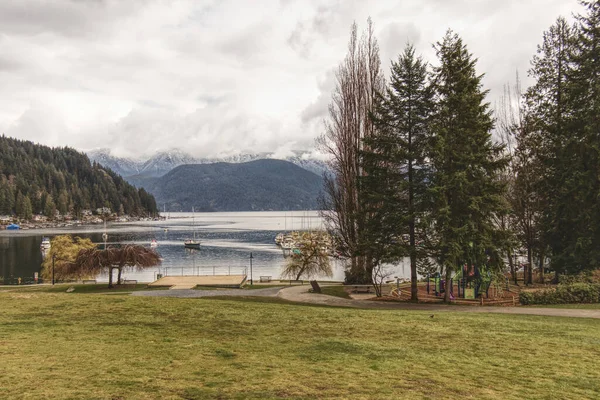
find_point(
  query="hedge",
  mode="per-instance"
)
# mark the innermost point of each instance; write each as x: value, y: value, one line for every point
x: 577, y: 292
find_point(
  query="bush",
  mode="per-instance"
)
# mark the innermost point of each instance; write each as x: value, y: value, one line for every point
x: 576, y: 292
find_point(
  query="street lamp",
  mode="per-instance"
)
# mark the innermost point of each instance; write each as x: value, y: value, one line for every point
x: 54, y: 259
x: 251, y: 281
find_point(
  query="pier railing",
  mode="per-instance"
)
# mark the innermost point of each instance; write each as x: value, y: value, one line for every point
x: 202, y: 271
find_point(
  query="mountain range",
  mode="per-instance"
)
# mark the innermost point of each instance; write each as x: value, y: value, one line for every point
x: 243, y: 182
x: 258, y: 185
x: 164, y: 161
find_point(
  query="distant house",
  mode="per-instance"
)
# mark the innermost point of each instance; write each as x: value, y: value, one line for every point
x: 40, y: 218
x: 103, y: 211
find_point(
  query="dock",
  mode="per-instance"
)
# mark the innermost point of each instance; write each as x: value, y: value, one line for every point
x: 191, y: 281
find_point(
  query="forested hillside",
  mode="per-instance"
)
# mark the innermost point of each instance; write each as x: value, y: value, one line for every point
x: 253, y: 186
x: 36, y: 179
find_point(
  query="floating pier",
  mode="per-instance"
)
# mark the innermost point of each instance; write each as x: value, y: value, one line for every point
x: 191, y: 281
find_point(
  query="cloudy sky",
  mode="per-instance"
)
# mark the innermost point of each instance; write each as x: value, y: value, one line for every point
x: 222, y: 77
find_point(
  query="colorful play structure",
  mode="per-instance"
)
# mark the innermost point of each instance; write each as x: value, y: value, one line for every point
x: 472, y: 282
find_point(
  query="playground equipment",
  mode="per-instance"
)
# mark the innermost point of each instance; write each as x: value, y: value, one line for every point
x: 439, y: 285
x: 472, y: 282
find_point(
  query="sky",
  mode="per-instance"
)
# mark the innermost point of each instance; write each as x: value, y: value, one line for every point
x: 218, y: 78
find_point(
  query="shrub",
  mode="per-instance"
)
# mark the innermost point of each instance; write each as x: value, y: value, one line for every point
x: 577, y: 292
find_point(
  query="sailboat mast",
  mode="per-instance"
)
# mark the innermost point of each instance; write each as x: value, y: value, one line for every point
x: 194, y: 222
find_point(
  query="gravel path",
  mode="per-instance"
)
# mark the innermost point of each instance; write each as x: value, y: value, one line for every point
x: 190, y: 293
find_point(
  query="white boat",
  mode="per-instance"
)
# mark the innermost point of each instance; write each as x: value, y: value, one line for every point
x: 45, y: 244
x: 153, y: 243
x: 192, y: 243
x: 279, y: 238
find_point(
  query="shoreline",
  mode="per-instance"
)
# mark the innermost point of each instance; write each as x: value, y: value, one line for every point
x: 92, y: 222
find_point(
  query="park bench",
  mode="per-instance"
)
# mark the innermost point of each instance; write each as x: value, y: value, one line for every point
x: 89, y: 281
x: 265, y: 279
x: 361, y: 289
x: 292, y: 282
x: 130, y: 282
x: 315, y: 287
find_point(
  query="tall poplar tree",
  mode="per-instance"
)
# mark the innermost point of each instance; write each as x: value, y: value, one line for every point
x: 359, y: 80
x: 466, y: 190
x: 395, y: 163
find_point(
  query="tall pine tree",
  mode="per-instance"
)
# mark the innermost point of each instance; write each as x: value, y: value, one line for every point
x: 466, y: 191
x: 395, y: 163
x: 551, y: 144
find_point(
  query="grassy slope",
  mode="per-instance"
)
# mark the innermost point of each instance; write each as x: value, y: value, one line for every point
x: 95, y: 346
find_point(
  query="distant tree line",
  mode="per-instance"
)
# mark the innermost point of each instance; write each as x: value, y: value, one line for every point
x: 36, y: 179
x: 424, y: 169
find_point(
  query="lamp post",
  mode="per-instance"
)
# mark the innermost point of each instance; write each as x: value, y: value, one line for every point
x: 251, y: 281
x: 53, y: 259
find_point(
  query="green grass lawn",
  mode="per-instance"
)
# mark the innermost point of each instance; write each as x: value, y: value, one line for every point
x: 79, y: 288
x: 56, y: 345
x: 337, y: 290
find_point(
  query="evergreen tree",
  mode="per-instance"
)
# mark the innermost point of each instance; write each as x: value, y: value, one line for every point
x: 19, y: 203
x: 551, y: 146
x: 466, y: 191
x: 50, y: 208
x: 64, y: 174
x: 582, y: 158
x: 395, y: 166
x: 26, y: 211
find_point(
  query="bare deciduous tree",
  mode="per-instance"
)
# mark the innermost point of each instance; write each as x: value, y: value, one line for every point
x: 359, y: 81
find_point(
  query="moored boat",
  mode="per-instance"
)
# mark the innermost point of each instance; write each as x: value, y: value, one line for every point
x: 191, y: 244
x: 45, y: 244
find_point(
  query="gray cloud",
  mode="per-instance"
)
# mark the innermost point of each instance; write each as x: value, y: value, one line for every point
x: 223, y: 76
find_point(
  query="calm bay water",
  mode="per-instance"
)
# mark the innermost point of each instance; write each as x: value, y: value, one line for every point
x: 227, y: 239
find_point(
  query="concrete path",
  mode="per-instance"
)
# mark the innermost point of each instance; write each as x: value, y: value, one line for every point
x: 191, y: 293
x: 301, y: 295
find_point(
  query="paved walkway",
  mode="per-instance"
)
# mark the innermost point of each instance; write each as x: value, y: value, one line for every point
x: 191, y: 293
x: 300, y: 294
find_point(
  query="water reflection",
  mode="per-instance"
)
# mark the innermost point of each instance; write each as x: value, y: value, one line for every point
x: 227, y: 239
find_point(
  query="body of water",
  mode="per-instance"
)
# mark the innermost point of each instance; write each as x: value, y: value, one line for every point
x: 227, y: 240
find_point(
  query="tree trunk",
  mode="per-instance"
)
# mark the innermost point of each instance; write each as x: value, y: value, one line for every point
x: 446, y: 285
x: 110, y: 277
x: 414, y: 290
x: 513, y: 269
x: 529, y: 278
x: 120, y: 269
x: 541, y: 266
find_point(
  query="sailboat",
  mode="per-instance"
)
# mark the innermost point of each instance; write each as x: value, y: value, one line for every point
x: 192, y: 243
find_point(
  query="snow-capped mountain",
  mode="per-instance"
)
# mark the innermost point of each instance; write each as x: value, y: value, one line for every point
x: 122, y: 166
x: 164, y: 161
